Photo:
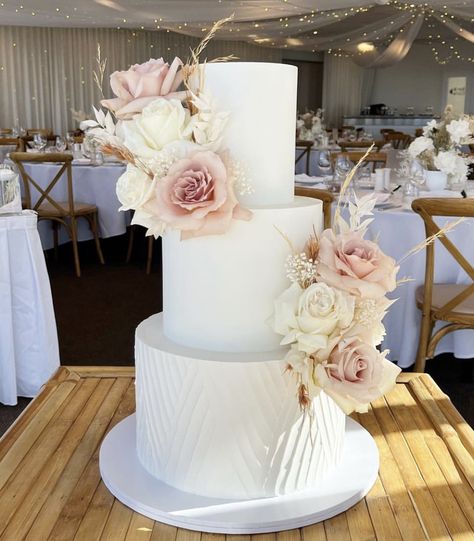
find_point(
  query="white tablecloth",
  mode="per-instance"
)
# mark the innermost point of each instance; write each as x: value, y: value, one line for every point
x: 94, y: 185
x: 29, y: 352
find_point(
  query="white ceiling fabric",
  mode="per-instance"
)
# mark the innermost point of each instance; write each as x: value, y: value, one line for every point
x: 306, y: 25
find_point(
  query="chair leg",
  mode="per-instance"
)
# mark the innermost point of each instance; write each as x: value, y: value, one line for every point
x: 55, y: 239
x: 130, y: 244
x: 95, y: 231
x: 425, y: 335
x: 75, y: 250
x: 151, y: 240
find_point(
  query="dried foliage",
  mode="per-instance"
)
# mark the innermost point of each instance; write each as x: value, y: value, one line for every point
x: 99, y: 74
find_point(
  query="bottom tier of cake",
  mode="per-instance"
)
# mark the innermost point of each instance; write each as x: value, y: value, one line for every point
x: 228, y: 425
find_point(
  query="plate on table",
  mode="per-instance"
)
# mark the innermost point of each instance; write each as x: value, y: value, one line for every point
x: 306, y: 179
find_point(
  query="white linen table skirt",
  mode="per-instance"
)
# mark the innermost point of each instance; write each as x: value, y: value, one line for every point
x: 93, y: 185
x: 29, y: 352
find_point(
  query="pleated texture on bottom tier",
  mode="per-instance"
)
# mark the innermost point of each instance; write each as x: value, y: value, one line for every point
x: 230, y: 429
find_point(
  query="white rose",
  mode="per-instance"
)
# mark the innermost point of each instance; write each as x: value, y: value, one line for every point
x: 452, y: 164
x: 419, y: 145
x: 134, y: 188
x: 432, y: 125
x: 459, y: 131
x: 160, y: 123
x: 310, y: 317
x: 153, y: 224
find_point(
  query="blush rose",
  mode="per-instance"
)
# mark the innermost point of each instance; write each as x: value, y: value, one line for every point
x: 356, y: 373
x: 138, y: 86
x: 196, y: 196
x: 351, y: 263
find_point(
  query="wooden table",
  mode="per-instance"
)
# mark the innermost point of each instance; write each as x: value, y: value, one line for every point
x: 50, y: 486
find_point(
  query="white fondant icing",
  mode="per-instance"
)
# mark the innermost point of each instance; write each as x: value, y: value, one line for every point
x: 260, y: 97
x: 218, y: 291
x: 228, y: 429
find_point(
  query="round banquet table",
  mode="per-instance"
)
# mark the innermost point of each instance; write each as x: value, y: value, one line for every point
x: 92, y: 184
x: 397, y: 231
x: 29, y: 352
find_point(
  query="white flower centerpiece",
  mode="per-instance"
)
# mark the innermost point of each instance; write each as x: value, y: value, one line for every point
x: 439, y: 150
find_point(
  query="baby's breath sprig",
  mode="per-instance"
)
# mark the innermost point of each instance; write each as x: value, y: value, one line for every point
x: 301, y: 269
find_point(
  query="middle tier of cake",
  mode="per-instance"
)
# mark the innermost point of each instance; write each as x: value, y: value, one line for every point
x: 219, y: 290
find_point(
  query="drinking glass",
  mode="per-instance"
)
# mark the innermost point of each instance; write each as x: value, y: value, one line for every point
x: 70, y: 140
x: 324, y: 163
x: 39, y: 142
x: 60, y: 144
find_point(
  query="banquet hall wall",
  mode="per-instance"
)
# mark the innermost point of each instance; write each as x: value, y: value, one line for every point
x: 46, y: 72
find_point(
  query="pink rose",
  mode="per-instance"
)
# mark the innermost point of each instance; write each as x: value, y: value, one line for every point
x: 351, y: 263
x: 355, y: 374
x: 141, y: 84
x: 196, y: 196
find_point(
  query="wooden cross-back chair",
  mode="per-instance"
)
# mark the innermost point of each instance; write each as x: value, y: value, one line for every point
x: 60, y: 213
x: 6, y: 141
x: 42, y: 131
x: 306, y: 147
x: 28, y: 140
x: 375, y: 158
x: 452, y: 303
x: 398, y: 140
x: 323, y: 195
x: 346, y: 146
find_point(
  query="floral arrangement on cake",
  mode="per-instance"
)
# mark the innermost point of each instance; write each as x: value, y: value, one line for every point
x: 179, y: 174
x: 331, y: 314
x: 439, y: 148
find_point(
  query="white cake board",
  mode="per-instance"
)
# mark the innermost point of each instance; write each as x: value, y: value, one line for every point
x: 128, y: 481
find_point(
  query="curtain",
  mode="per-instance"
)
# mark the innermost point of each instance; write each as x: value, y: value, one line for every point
x: 46, y: 72
x: 343, y: 84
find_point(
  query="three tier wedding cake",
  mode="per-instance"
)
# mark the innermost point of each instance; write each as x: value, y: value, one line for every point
x: 242, y: 386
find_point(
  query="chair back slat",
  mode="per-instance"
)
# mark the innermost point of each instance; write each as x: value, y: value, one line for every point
x: 19, y: 158
x: 428, y: 208
x: 323, y: 195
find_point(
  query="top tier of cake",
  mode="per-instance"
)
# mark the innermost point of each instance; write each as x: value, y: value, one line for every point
x: 261, y: 130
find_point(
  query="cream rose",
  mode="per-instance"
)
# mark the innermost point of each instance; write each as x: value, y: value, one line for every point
x: 134, y: 188
x: 420, y: 145
x: 310, y: 317
x: 351, y: 263
x: 355, y: 374
x: 160, y: 123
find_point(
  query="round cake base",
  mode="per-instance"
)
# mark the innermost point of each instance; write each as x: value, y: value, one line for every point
x: 129, y: 482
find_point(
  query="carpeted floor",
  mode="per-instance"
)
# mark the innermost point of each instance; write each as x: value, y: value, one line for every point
x: 97, y: 315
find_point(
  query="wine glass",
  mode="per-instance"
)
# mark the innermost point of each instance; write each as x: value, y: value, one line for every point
x: 324, y: 163
x: 60, y: 144
x: 70, y: 139
x: 39, y: 142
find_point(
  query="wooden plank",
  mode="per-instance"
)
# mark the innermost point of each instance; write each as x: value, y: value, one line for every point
x: 20, y: 444
x: 19, y: 483
x: 405, y: 377
x: 27, y: 415
x: 360, y: 525
x: 188, y: 535
x: 289, y: 535
x: 423, y: 502
x: 117, y: 524
x: 88, y: 444
x: 163, y: 532
x: 78, y: 501
x: 316, y: 532
x: 104, y: 371
x: 52, y: 469
x: 263, y: 537
x: 462, y: 455
x: 381, y: 514
x: 405, y: 409
x: 337, y: 528
x: 212, y: 537
x: 140, y: 528
x: 237, y: 538
x: 405, y: 515
x: 94, y: 520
